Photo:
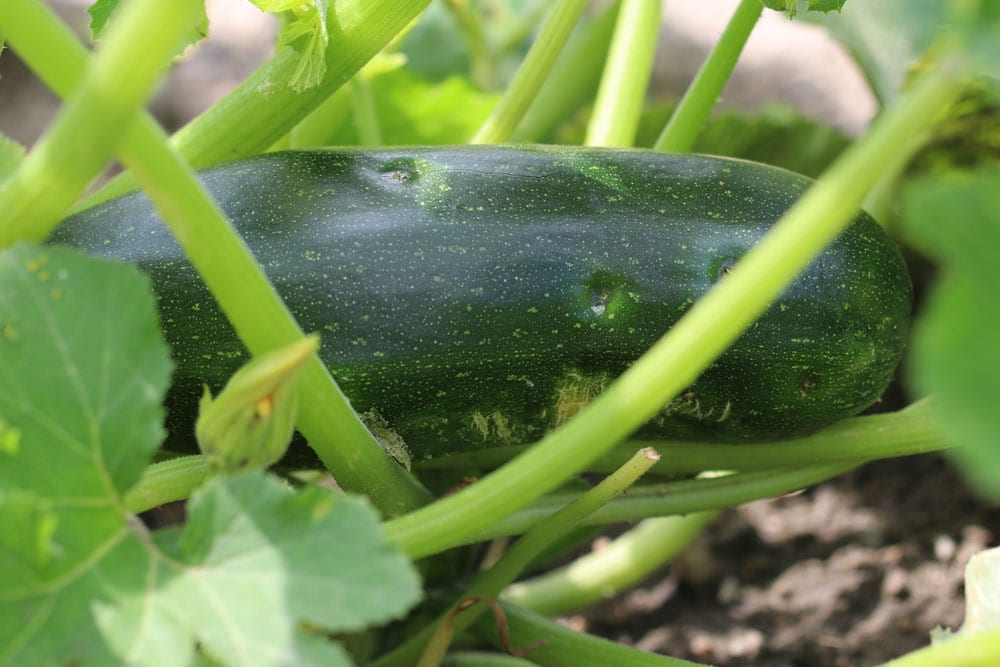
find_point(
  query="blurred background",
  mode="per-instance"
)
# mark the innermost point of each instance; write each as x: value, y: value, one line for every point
x: 785, y: 61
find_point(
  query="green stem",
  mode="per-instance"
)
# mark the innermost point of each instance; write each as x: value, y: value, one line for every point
x: 670, y: 499
x: 565, y: 648
x: 858, y: 439
x: 532, y: 73
x: 167, y: 481
x: 263, y: 108
x: 622, y: 92
x: 479, y: 659
x: 80, y: 142
x: 573, y: 80
x: 490, y: 583
x: 688, y: 118
x: 365, y: 112
x: 614, y: 568
x: 981, y: 649
x: 244, y: 293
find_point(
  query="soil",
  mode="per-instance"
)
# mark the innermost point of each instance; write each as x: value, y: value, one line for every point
x: 856, y: 571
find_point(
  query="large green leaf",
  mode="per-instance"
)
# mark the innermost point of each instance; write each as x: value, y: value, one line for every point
x: 956, y: 354
x: 83, y: 370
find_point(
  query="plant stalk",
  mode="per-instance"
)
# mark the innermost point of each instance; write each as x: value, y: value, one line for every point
x: 614, y: 568
x: 622, y: 90
x: 691, y: 113
x: 489, y: 584
x: 532, y: 73
x: 88, y: 128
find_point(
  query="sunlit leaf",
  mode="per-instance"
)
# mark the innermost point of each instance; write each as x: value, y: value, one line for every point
x: 956, y: 354
x: 259, y: 575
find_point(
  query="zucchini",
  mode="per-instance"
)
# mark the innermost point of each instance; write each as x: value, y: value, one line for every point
x: 472, y: 297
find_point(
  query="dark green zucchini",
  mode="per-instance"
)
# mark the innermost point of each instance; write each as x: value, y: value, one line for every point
x: 479, y: 296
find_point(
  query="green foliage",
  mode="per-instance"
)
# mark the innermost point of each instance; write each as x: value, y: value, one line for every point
x: 261, y: 573
x: 305, y: 31
x: 412, y: 110
x: 483, y: 41
x: 85, y: 582
x: 792, y: 7
x: 956, y: 220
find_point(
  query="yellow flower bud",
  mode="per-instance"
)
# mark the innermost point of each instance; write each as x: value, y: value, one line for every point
x: 250, y: 423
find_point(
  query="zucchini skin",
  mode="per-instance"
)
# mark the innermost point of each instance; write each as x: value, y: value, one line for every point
x: 478, y: 296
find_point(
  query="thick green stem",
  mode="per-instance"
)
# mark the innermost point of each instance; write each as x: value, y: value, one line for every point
x: 688, y: 118
x: 671, y: 499
x: 87, y: 130
x: 479, y: 659
x: 167, y: 481
x: 614, y: 568
x: 858, y: 439
x: 700, y: 336
x: 365, y: 112
x: 533, y: 71
x: 981, y: 649
x: 490, y: 583
x: 565, y: 648
x: 622, y: 92
x: 573, y: 80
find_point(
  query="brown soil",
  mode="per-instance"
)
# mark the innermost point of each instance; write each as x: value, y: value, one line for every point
x: 853, y: 572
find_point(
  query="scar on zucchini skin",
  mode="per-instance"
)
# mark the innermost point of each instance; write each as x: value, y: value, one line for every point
x: 392, y: 443
x: 689, y: 405
x: 495, y: 424
x: 574, y: 391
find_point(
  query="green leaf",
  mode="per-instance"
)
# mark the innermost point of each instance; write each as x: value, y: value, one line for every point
x: 102, y: 11
x: 11, y: 154
x: 304, y: 31
x: 774, y: 134
x: 83, y: 370
x: 412, y: 110
x: 982, y: 592
x: 792, y: 7
x: 956, y: 220
x: 887, y: 38
x: 977, y: 23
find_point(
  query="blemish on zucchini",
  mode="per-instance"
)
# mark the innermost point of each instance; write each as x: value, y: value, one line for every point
x: 392, y: 443
x: 574, y: 391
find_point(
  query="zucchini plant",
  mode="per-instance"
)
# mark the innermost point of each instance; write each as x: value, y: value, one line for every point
x: 517, y: 314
